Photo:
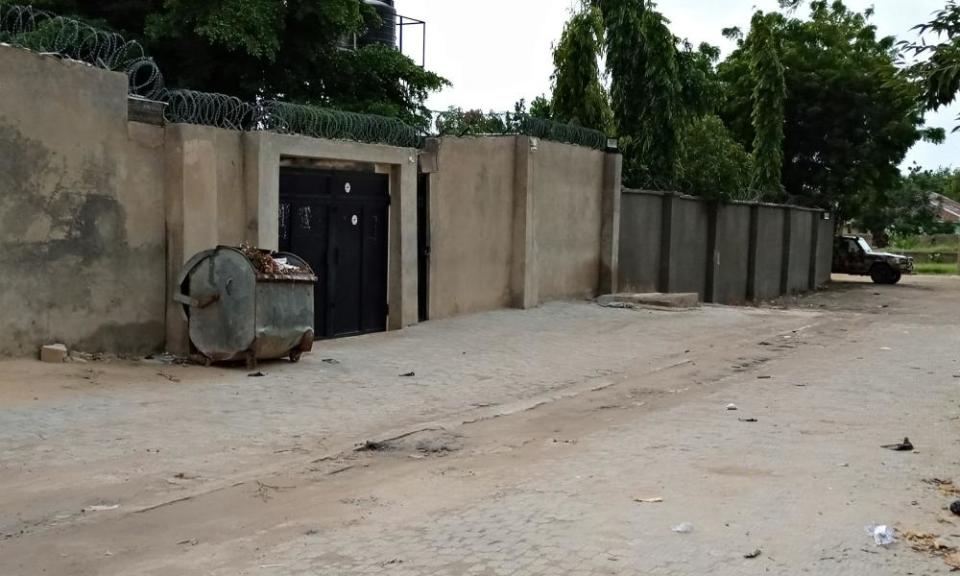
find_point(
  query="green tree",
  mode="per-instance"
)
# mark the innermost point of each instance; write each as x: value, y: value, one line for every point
x: 850, y: 113
x: 712, y: 164
x: 646, y: 91
x: 542, y: 108
x: 294, y: 50
x: 578, y: 95
x: 769, y: 93
x: 939, y: 69
x: 907, y: 209
x: 701, y: 91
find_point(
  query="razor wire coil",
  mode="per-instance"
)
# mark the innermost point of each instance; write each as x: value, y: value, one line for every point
x: 44, y: 32
x: 40, y: 31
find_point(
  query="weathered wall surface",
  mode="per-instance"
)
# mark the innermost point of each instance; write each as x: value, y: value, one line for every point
x: 733, y: 254
x: 568, y: 189
x: 471, y: 225
x: 688, y: 264
x: 800, y: 239
x: 205, y: 205
x: 825, y: 249
x: 223, y: 189
x: 769, y: 253
x: 722, y: 254
x: 98, y: 214
x: 516, y: 221
x: 640, y: 229
x: 81, y: 211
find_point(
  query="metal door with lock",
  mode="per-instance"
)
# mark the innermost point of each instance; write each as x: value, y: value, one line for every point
x: 337, y: 221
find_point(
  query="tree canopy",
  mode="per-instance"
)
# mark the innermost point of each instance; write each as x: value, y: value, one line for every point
x: 292, y: 50
x: 850, y: 113
x: 646, y: 91
x: 578, y: 94
x: 939, y: 69
x: 769, y: 93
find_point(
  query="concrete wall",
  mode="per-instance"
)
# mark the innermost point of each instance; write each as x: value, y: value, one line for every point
x: 733, y: 254
x: 730, y: 253
x: 471, y: 225
x: 800, y: 238
x: 223, y: 188
x: 205, y: 205
x: 769, y: 250
x: 825, y: 251
x: 98, y: 214
x: 515, y: 221
x: 81, y: 211
x: 688, y: 262
x: 640, y: 228
x: 568, y: 189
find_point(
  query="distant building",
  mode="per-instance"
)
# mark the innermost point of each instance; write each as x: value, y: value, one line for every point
x: 948, y: 210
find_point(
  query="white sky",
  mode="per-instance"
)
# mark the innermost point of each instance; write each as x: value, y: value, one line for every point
x: 498, y: 51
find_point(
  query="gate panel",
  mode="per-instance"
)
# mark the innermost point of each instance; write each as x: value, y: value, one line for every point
x: 337, y: 221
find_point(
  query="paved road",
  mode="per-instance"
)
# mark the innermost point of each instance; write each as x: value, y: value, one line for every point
x: 524, y: 440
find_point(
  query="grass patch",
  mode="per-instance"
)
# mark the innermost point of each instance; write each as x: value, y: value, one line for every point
x: 933, y: 268
x: 935, y: 249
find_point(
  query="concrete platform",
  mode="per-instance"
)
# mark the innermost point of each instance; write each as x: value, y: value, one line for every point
x: 675, y: 300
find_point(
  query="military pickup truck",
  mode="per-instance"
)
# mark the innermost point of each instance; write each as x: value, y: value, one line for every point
x: 853, y: 255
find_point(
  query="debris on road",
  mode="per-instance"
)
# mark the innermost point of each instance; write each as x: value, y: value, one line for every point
x: 755, y: 554
x: 330, y: 361
x: 882, y: 534
x: 53, y: 353
x: 926, y: 542
x: 946, y: 487
x: 101, y: 508
x: 748, y: 420
x: 732, y: 407
x: 408, y: 375
x: 256, y: 375
x: 648, y: 500
x: 765, y: 377
x: 264, y: 490
x: 952, y: 560
x: 371, y: 446
x: 955, y: 507
x: 904, y: 446
x: 683, y: 528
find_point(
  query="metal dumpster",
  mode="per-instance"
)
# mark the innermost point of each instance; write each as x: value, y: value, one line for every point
x: 247, y: 304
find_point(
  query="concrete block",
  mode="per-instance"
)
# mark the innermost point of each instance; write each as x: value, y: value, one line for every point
x: 674, y: 300
x: 53, y: 353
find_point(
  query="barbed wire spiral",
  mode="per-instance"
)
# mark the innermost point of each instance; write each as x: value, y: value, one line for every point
x: 289, y: 118
x: 457, y: 122
x: 44, y: 32
x: 210, y: 109
x: 41, y: 31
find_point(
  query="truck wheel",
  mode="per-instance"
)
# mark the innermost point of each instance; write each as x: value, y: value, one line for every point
x: 884, y: 274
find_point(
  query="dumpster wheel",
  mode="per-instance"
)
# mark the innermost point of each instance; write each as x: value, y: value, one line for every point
x: 295, y: 355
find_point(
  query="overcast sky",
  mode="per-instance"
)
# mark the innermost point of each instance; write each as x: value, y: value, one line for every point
x: 498, y: 51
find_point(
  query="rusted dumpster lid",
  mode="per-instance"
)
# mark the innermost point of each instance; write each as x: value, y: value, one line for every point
x: 267, y: 266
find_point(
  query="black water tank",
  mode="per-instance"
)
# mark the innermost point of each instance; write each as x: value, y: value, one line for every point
x: 387, y: 32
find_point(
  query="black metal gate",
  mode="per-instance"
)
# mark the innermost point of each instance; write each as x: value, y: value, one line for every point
x: 337, y: 221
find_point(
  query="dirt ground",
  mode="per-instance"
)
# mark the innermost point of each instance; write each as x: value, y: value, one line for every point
x: 520, y: 445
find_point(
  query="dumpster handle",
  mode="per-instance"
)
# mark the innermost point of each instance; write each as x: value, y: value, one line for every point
x: 196, y: 302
